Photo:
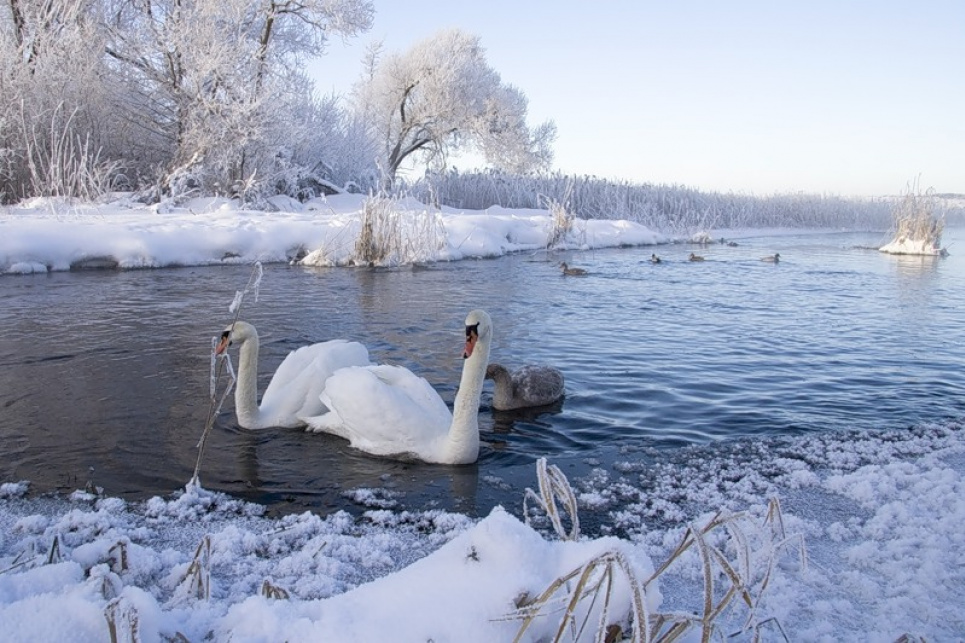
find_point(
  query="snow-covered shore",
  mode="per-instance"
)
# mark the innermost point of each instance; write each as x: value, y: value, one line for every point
x: 880, y: 518
x: 45, y: 235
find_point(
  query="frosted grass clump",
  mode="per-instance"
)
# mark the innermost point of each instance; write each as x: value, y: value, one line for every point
x: 390, y: 235
x: 731, y: 557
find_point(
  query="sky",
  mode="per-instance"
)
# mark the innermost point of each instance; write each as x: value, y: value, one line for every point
x: 869, y: 547
x: 836, y: 98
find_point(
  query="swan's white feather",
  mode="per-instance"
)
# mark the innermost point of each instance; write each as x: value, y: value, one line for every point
x: 295, y: 389
x: 383, y: 410
x: 296, y: 384
x: 390, y: 411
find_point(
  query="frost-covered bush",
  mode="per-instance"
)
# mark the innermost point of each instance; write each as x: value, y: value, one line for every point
x: 669, y: 208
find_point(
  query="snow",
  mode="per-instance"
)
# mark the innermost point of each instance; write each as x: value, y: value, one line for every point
x: 870, y: 544
x: 906, y: 246
x: 47, y: 235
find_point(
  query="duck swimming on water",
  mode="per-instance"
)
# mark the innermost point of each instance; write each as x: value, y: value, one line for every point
x: 571, y: 271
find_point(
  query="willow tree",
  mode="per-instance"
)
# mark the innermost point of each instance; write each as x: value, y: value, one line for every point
x: 442, y: 97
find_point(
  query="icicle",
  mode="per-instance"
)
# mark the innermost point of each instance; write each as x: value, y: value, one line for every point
x: 231, y: 370
x: 214, y: 362
x: 236, y: 303
x: 254, y: 283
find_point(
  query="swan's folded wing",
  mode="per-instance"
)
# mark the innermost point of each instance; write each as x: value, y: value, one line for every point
x: 418, y: 390
x: 384, y: 410
x: 301, y: 377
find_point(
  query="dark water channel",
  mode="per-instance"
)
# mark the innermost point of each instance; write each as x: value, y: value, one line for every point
x: 104, y: 376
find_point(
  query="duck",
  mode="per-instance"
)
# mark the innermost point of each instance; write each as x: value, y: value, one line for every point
x: 654, y: 258
x: 695, y: 257
x: 296, y: 384
x: 528, y: 386
x: 572, y: 271
x: 387, y: 410
x: 774, y: 258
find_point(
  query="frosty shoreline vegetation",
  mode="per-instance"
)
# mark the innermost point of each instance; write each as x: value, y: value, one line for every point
x: 338, y: 230
x: 45, y: 235
x: 867, y: 547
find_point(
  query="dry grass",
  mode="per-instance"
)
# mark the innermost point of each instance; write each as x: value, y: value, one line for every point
x: 918, y: 224
x: 119, y: 559
x: 562, y: 220
x: 736, y: 558
x: 270, y: 590
x: 561, y: 223
x: 196, y: 582
x: 60, y: 162
x: 593, y: 581
x: 554, y: 490
x: 123, y: 622
x: 390, y: 236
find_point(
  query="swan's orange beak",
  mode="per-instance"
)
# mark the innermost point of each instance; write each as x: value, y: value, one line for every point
x: 472, y: 334
x: 223, y: 344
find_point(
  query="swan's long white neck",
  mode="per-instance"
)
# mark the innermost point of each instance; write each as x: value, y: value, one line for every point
x: 462, y: 441
x: 246, y: 391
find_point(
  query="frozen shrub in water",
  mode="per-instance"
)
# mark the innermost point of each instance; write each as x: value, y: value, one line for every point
x: 917, y: 227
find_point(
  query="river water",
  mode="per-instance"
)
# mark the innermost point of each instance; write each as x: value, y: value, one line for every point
x: 104, y: 376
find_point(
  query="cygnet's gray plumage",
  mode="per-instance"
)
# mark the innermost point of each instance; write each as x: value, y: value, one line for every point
x: 530, y: 385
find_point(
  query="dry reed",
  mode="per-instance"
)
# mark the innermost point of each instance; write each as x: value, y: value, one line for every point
x: 390, y: 236
x: 744, y: 576
x: 196, y: 582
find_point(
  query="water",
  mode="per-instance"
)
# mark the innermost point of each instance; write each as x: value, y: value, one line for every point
x: 104, y: 375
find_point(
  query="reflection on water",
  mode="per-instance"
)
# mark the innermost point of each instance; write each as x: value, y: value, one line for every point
x: 104, y: 376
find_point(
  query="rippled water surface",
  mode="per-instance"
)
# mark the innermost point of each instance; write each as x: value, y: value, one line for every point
x: 104, y: 375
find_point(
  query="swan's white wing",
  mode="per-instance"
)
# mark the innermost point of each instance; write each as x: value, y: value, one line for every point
x: 295, y: 387
x: 384, y: 410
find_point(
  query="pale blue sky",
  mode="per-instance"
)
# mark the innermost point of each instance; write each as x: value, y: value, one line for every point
x: 819, y: 96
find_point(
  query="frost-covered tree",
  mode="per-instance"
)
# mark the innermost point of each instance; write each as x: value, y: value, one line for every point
x: 52, y: 99
x: 205, y: 94
x: 441, y: 97
x: 209, y: 79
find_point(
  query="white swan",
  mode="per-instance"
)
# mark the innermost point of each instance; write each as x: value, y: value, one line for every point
x: 389, y: 411
x: 295, y: 387
x: 530, y: 385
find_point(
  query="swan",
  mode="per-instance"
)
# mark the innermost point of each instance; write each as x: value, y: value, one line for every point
x: 571, y: 271
x: 390, y: 411
x: 295, y: 387
x: 774, y: 258
x: 530, y: 385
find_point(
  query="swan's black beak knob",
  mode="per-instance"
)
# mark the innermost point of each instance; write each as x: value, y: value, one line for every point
x: 472, y: 334
x: 224, y: 343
